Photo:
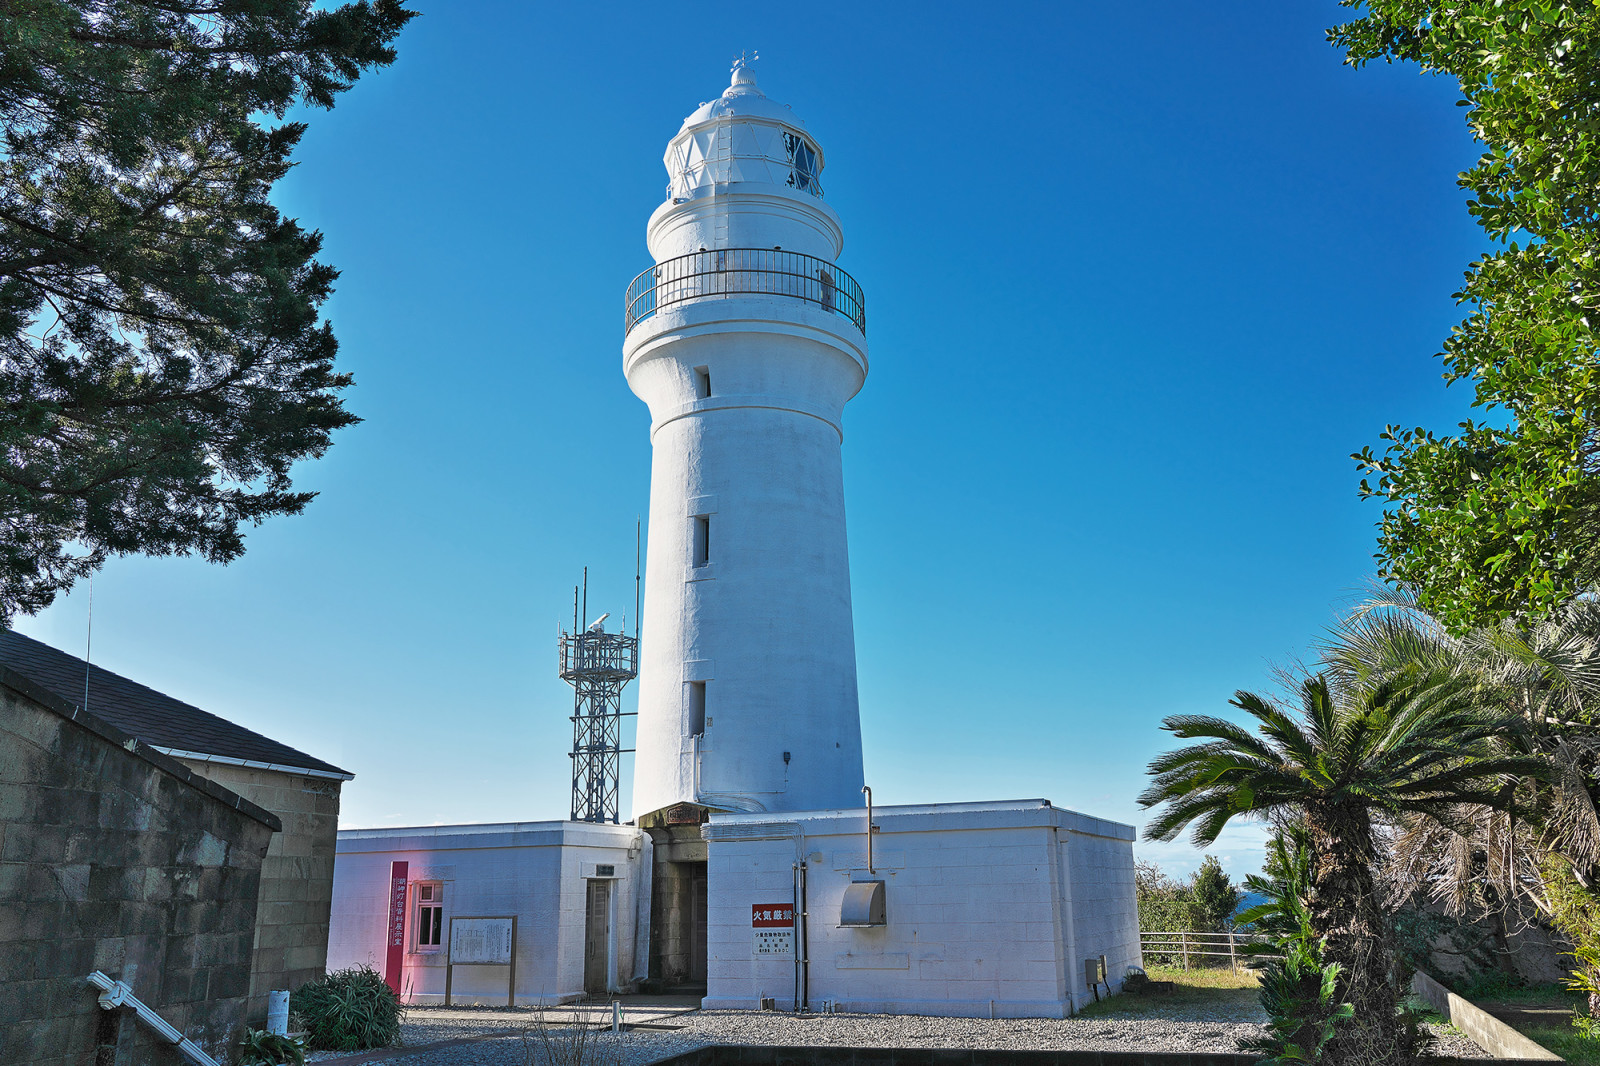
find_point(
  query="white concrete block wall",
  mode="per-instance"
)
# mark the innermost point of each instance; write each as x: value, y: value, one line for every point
x: 1105, y: 903
x: 979, y: 918
x: 537, y: 871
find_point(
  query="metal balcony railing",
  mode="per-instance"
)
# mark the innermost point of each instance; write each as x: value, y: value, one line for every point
x: 609, y: 656
x: 729, y: 272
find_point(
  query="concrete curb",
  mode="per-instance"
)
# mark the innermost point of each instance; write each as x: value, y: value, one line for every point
x: 1490, y: 1033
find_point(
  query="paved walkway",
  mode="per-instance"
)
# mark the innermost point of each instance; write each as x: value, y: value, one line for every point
x: 435, y: 1029
x: 636, y: 1010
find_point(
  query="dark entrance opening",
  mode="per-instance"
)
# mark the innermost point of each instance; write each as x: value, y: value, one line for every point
x: 597, y: 936
x: 678, y: 903
x: 697, y: 922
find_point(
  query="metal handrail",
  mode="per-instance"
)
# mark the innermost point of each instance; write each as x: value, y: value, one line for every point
x: 1185, y: 943
x: 728, y: 272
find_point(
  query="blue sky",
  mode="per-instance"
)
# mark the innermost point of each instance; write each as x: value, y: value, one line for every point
x: 1139, y: 279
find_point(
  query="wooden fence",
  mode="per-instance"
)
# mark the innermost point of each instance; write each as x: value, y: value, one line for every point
x: 1186, y: 945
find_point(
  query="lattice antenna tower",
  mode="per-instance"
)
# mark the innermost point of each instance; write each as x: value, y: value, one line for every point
x: 597, y: 665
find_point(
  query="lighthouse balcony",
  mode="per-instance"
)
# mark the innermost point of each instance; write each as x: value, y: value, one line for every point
x: 728, y: 273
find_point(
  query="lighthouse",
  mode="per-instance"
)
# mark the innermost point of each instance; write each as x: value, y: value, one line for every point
x: 757, y: 871
x: 746, y: 340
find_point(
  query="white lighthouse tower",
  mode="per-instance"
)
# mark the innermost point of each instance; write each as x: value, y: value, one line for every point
x: 746, y: 340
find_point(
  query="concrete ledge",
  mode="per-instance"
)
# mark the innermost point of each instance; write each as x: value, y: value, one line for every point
x: 922, y: 1008
x: 748, y: 1055
x: 1489, y: 1032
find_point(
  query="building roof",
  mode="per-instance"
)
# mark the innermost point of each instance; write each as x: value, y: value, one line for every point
x: 488, y: 835
x: 39, y: 696
x: 741, y: 100
x: 166, y: 724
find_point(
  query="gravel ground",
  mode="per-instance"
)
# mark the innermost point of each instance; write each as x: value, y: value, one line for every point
x: 1195, y: 1030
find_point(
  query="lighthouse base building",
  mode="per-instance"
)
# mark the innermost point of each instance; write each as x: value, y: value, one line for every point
x: 755, y: 871
x: 1014, y: 909
x: 964, y: 909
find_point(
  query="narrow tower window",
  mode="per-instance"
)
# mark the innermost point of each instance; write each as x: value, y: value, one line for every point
x: 697, y: 707
x: 702, y: 382
x: 702, y: 539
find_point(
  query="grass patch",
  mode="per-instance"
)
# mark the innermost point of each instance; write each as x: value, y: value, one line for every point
x: 1195, y: 988
x: 1218, y: 977
x: 1565, y: 1041
x: 1493, y: 988
x: 1425, y: 1014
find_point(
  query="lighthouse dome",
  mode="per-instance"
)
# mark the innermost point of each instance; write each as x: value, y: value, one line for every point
x: 742, y: 136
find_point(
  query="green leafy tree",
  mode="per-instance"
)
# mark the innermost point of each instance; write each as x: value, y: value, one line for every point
x: 1166, y: 905
x: 1575, y: 910
x: 162, y: 359
x: 1417, y: 745
x: 1501, y: 518
x: 1215, y: 897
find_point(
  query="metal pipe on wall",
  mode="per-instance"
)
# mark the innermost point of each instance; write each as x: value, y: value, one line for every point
x: 794, y: 889
x: 868, y: 790
x: 805, y: 944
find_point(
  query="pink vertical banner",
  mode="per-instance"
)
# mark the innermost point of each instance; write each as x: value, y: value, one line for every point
x: 396, y: 930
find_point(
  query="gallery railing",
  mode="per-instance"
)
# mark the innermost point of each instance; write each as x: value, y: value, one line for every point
x: 743, y: 272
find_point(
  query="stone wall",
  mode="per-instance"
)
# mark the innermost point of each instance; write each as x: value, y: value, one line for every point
x: 291, y: 938
x: 116, y: 858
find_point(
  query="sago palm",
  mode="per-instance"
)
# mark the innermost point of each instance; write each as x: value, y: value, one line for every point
x: 1417, y: 744
x: 1547, y: 672
x: 1501, y: 863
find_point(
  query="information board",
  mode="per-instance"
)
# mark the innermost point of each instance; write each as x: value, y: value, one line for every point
x: 772, y: 928
x: 481, y: 941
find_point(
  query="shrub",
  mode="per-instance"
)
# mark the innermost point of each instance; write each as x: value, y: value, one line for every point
x: 552, y: 1042
x: 350, y: 1010
x: 1215, y: 897
x: 261, y: 1048
x: 1300, y: 995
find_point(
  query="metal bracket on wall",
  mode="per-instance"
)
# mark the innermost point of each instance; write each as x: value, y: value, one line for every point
x: 116, y: 994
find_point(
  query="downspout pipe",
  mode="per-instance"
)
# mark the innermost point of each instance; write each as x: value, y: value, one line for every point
x: 795, y: 887
x: 803, y: 1004
x: 868, y: 790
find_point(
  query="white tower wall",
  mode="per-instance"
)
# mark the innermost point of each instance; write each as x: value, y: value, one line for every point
x: 757, y: 216
x: 752, y: 654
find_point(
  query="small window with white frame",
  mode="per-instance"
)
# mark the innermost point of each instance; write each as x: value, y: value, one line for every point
x: 428, y: 924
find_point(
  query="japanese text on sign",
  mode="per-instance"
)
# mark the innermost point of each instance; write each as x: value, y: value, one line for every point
x: 397, y: 912
x: 486, y: 941
x: 772, y: 926
x: 771, y: 915
x: 399, y: 872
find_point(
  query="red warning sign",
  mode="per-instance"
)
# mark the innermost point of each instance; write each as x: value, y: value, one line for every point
x: 771, y: 915
x: 772, y: 926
